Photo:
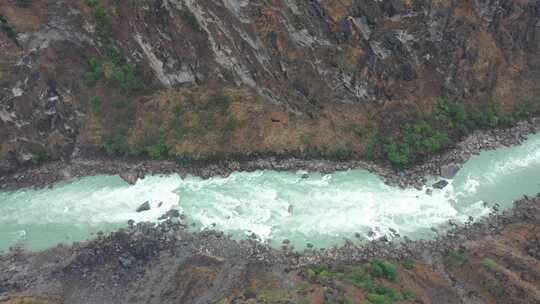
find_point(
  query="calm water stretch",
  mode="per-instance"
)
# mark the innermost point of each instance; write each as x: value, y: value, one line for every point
x: 322, y: 210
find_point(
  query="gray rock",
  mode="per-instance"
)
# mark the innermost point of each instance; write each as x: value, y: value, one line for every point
x: 126, y: 261
x: 449, y: 171
x: 173, y: 213
x: 144, y: 207
x: 440, y: 184
x: 130, y: 177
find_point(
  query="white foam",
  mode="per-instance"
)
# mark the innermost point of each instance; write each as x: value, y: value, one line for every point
x: 90, y: 202
x: 325, y: 208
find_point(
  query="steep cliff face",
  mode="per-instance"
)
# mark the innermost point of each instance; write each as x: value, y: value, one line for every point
x: 221, y: 77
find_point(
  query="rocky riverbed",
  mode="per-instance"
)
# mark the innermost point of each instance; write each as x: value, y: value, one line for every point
x: 169, y: 264
x: 445, y: 165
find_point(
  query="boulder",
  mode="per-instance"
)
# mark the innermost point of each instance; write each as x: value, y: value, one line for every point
x: 126, y: 261
x: 440, y: 184
x: 173, y: 213
x: 130, y: 177
x: 449, y: 171
x: 144, y: 207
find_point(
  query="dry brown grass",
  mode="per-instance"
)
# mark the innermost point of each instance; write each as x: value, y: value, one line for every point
x: 25, y: 19
x: 30, y: 300
x: 261, y: 127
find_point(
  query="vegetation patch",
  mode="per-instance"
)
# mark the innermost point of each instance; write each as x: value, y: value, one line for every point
x: 248, y: 293
x: 370, y: 277
x: 431, y: 133
x: 190, y: 19
x: 408, y: 264
x: 95, y: 105
x: 8, y: 29
x: 102, y: 17
x: 117, y: 145
x: 115, y: 70
x: 489, y: 264
x: 40, y: 157
x: 273, y: 296
x: 456, y: 258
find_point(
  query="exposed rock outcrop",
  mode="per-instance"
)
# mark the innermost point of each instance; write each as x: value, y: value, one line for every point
x: 301, y: 75
x: 131, y: 177
x: 143, y: 207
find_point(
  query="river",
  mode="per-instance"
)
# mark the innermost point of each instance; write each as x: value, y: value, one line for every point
x: 322, y: 209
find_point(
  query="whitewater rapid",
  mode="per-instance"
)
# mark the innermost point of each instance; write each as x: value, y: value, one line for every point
x: 322, y: 209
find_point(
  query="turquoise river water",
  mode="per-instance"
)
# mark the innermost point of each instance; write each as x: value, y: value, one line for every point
x: 325, y: 210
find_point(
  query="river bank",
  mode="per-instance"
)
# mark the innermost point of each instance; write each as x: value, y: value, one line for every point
x: 88, y: 163
x: 168, y: 263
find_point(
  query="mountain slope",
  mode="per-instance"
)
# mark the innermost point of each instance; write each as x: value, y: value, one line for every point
x: 220, y: 78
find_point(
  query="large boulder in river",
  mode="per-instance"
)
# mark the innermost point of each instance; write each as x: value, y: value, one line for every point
x: 173, y: 213
x: 144, y: 207
x: 449, y: 171
x: 130, y: 177
x: 440, y: 184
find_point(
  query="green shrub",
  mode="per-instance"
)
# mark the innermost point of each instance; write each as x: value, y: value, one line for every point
x: 117, y: 145
x: 399, y: 156
x: 348, y: 300
x: 423, y: 139
x: 123, y: 75
x: 485, y: 117
x: 450, y: 114
x: 159, y: 150
x: 8, y: 29
x: 319, y: 273
x: 102, y: 17
x: 360, y: 279
x: 95, y: 73
x: 302, y: 286
x: 457, y: 258
x: 523, y: 110
x: 176, y: 126
x: 95, y: 104
x: 249, y: 293
x: 190, y: 19
x: 92, y: 3
x: 489, y: 263
x: 380, y: 268
x: 356, y: 129
x: 230, y: 125
x: 39, y: 157
x: 177, y: 110
x: 382, y: 295
x: 371, y: 145
x: 416, y: 140
x: 408, y: 264
x: 408, y: 294
x: 376, y: 268
x: 273, y: 296
x: 390, y: 271
x: 382, y: 289
x: 341, y: 151
x: 312, y: 275
x: 305, y: 140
